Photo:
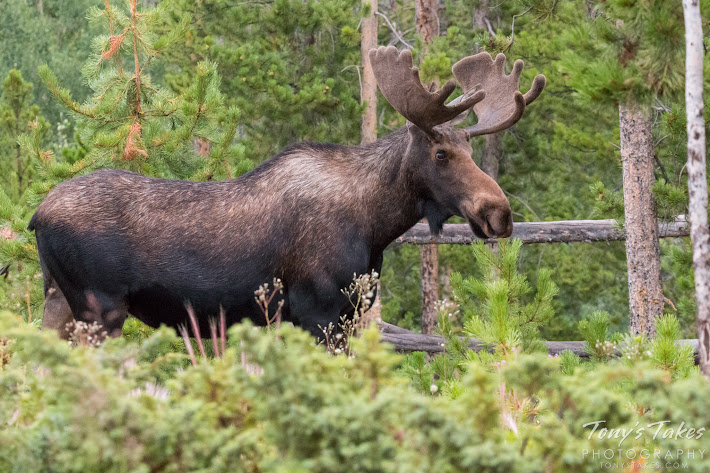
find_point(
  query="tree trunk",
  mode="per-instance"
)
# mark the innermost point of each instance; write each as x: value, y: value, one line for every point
x: 697, y: 180
x: 427, y: 14
x: 368, y: 96
x: 430, y: 287
x: 427, y: 21
x: 643, y: 259
x: 489, y: 165
x: 18, y: 161
x: 368, y: 91
x: 17, y: 111
x: 492, y: 152
x: 479, y: 15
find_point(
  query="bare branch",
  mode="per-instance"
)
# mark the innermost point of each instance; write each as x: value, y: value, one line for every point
x: 491, y: 31
x: 512, y: 26
x: 537, y: 217
x: 394, y: 31
x: 359, y: 75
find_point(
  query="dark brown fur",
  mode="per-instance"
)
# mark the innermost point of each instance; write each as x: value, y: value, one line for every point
x: 113, y: 241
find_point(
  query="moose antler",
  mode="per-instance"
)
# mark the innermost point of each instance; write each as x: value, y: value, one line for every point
x: 400, y: 84
x: 494, y: 97
x: 503, y: 104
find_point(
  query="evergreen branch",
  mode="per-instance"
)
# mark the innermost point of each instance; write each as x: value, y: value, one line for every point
x: 489, y: 256
x: 116, y: 57
x: 359, y: 75
x: 173, y: 36
x: 60, y: 93
x: 147, y: 62
x: 149, y: 87
x: 108, y: 15
x: 166, y: 114
x: 102, y: 95
x: 115, y: 43
x: 200, y: 111
x: 119, y: 100
x: 134, y: 36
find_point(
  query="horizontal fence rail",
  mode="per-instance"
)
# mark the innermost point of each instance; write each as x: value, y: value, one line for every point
x: 406, y: 341
x: 564, y: 231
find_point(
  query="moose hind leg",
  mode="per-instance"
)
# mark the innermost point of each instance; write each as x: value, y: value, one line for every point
x: 57, y: 313
x: 108, y: 311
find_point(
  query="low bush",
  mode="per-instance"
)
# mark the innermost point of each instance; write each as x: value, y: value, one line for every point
x: 126, y: 406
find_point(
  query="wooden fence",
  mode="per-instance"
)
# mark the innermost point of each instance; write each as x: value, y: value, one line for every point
x: 566, y: 231
x: 405, y: 340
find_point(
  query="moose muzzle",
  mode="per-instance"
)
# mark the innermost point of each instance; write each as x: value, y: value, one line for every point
x: 498, y: 222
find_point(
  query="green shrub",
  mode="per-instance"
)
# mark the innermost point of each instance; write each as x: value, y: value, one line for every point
x: 497, y: 308
x: 281, y: 403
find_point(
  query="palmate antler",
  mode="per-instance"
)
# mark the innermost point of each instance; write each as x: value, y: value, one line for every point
x: 401, y: 86
x: 503, y: 105
x: 494, y: 97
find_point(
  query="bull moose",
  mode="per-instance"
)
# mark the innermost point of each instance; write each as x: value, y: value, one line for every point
x: 115, y: 242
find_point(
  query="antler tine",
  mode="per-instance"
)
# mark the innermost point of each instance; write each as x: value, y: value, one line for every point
x: 400, y: 84
x: 535, y: 89
x: 503, y: 104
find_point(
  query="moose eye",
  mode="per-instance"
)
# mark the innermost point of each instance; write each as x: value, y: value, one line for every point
x: 441, y: 155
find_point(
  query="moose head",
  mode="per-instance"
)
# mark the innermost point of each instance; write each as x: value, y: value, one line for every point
x: 444, y: 156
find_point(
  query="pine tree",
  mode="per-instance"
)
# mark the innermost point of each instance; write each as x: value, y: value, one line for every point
x: 643, y: 253
x: 629, y: 56
x: 129, y: 122
x: 52, y: 32
x: 665, y: 351
x: 132, y: 122
x: 492, y: 149
x: 290, y: 67
x: 18, y: 116
x: 368, y: 99
x: 496, y: 308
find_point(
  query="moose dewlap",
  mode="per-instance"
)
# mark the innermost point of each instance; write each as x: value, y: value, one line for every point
x: 115, y: 242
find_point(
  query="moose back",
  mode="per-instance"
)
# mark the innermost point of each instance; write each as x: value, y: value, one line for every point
x: 114, y: 242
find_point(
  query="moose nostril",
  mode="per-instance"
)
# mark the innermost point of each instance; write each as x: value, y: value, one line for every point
x: 489, y: 227
x: 499, y: 223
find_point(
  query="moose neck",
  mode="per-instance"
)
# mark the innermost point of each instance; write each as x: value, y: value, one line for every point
x: 397, y: 196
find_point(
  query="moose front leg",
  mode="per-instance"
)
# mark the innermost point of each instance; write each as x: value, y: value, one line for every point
x: 314, y: 307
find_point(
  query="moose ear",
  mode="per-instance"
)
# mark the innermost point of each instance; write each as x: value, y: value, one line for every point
x: 430, y: 136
